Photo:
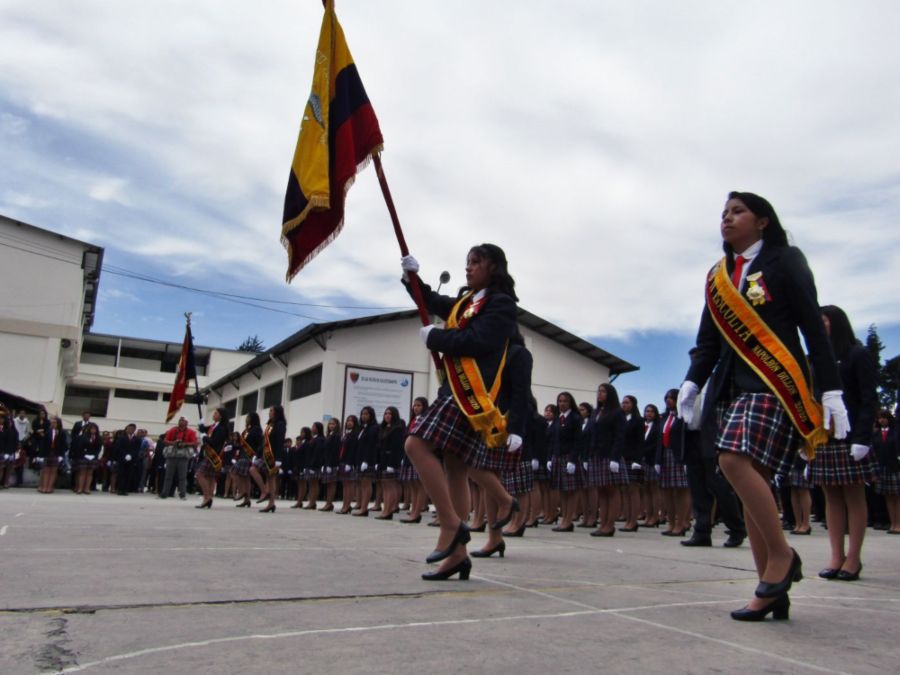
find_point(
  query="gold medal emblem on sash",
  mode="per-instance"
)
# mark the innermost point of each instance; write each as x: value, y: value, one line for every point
x: 755, y: 293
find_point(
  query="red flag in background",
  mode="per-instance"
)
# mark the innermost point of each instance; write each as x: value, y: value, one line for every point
x: 338, y: 134
x: 187, y: 370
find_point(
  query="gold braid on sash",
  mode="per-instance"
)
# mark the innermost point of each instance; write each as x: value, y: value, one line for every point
x: 268, y: 455
x: 249, y: 452
x: 470, y: 392
x: 765, y: 353
x: 212, y: 457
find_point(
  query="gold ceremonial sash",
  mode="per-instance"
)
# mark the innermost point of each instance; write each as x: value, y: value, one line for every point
x: 245, y: 446
x: 268, y: 455
x: 212, y: 457
x: 764, y: 352
x: 468, y: 388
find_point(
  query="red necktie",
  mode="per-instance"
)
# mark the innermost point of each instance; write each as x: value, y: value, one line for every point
x: 666, y: 432
x: 738, y: 268
x: 884, y: 435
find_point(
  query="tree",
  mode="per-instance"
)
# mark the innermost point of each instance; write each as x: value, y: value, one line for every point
x: 889, y: 379
x: 252, y: 344
x: 874, y: 344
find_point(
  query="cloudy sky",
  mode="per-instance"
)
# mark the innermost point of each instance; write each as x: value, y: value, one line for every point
x: 595, y: 141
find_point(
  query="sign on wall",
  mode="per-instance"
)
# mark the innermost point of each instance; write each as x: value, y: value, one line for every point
x: 377, y: 388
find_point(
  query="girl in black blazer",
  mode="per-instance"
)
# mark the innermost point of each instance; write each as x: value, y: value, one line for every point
x: 273, y: 437
x: 565, y: 432
x: 586, y: 490
x: 299, y: 465
x: 331, y: 454
x: 651, y: 500
x: 215, y: 436
x: 367, y: 458
x: 632, y: 453
x: 52, y: 448
x: 843, y: 467
x: 85, y: 450
x: 886, y: 447
x: 673, y: 482
x: 742, y: 419
x: 253, y: 437
x: 604, y: 467
x: 315, y: 462
x: 347, y: 461
x: 391, y: 437
x: 548, y: 514
x: 418, y: 501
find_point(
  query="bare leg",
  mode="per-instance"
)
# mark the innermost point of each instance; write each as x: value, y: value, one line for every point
x: 437, y: 486
x: 893, y: 508
x: 683, y: 508
x: 592, y: 506
x: 260, y: 483
x: 836, y: 516
x: 801, y: 500
x: 857, y: 517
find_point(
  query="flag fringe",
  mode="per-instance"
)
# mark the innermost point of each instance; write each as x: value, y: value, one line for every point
x: 337, y: 230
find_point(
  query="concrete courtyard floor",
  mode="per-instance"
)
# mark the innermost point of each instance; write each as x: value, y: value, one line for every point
x: 134, y: 584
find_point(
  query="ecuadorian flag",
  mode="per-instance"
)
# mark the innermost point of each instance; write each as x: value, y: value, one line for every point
x: 338, y: 134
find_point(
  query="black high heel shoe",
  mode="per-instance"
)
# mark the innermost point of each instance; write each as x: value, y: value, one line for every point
x: 389, y: 516
x: 463, y: 568
x: 518, y: 533
x: 268, y: 509
x: 795, y: 573
x: 780, y: 609
x: 243, y: 505
x: 844, y: 575
x: 205, y: 505
x: 499, y: 548
x: 462, y: 536
x: 263, y: 498
x: 503, y: 522
x: 417, y: 519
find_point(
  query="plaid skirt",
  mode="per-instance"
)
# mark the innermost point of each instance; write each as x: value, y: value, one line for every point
x: 408, y: 473
x: 84, y: 465
x: 520, y: 480
x: 833, y: 465
x: 633, y: 476
x: 308, y: 474
x: 757, y: 425
x: 650, y: 475
x: 541, y: 473
x: 204, y: 468
x: 241, y: 467
x: 598, y: 473
x: 562, y: 480
x: 445, y: 426
x: 352, y: 474
x: 328, y: 478
x: 51, y: 462
x: 796, y: 479
x: 888, y: 482
x: 672, y: 475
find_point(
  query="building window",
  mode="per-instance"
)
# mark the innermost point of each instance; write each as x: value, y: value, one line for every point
x: 231, y: 408
x: 249, y: 403
x: 306, y: 383
x: 272, y: 394
x: 137, y: 394
x: 85, y: 399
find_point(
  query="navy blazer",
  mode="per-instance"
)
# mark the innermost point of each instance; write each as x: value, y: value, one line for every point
x: 563, y: 437
x: 367, y: 445
x: 219, y: 435
x: 517, y: 383
x: 651, y: 441
x: 608, y: 434
x: 793, y: 305
x: 887, y: 451
x: 276, y: 436
x: 860, y: 379
x: 390, y: 446
x: 633, y: 438
x: 255, y: 440
x: 347, y: 453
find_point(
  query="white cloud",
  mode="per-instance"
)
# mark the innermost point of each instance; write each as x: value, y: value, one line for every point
x: 594, y: 141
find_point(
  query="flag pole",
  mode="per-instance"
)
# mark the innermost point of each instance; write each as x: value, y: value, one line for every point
x: 414, y: 281
x: 187, y: 316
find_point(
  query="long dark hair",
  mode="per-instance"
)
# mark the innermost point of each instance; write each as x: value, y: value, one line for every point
x: 612, y: 399
x: 842, y: 337
x: 573, y: 406
x: 773, y: 234
x: 396, y: 422
x: 653, y: 407
x: 279, y: 413
x: 673, y: 394
x: 372, y: 418
x: 305, y: 433
x: 318, y: 429
x: 501, y: 280
x: 354, y: 419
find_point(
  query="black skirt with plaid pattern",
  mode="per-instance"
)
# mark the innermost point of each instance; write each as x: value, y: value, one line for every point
x: 562, y: 480
x: 833, y: 465
x: 520, y: 480
x: 888, y: 482
x: 445, y: 426
x: 204, y: 468
x: 241, y: 467
x: 672, y: 474
x: 755, y: 424
x: 408, y: 473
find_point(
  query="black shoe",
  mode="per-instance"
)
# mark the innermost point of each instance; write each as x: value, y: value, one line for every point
x: 779, y: 608
x: 417, y: 519
x: 628, y: 529
x: 389, y: 516
x: 697, y: 541
x: 268, y: 509
x: 434, y: 523
x: 480, y: 528
x: 586, y: 525
x: 499, y: 548
x: 829, y: 573
x: 243, y: 505
x: 734, y: 540
x: 503, y: 522
x: 262, y: 499
x: 570, y: 528
x: 794, y: 573
x: 462, y: 536
x: 844, y: 575
x: 204, y: 505
x: 601, y: 533
x: 463, y: 568
x: 518, y: 533
x: 809, y: 531
x: 881, y: 526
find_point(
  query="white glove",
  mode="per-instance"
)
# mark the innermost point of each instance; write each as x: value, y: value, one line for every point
x: 777, y: 480
x: 635, y: 466
x: 833, y: 408
x: 322, y: 468
x: 234, y: 461
x: 513, y: 442
x: 347, y: 468
x: 280, y: 471
x: 127, y: 458
x: 549, y: 466
x: 686, y: 397
x: 858, y: 451
x: 363, y: 467
x: 657, y: 468
x: 389, y: 469
x: 570, y: 468
x: 327, y: 469
x: 535, y: 465
x: 806, y: 472
x: 584, y: 465
x: 376, y: 467
x: 277, y: 464
x: 90, y: 458
x: 614, y: 466
x: 409, y: 264
x: 423, y: 333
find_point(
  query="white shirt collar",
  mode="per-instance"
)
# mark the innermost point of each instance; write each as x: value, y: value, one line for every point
x: 751, y: 252
x: 479, y: 295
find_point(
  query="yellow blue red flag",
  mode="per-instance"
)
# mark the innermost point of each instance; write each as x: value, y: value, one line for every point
x: 338, y: 134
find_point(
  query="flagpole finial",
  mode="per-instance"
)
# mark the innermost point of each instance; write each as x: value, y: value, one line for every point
x: 187, y: 316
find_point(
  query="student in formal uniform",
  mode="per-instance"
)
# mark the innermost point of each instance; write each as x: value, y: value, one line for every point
x: 210, y: 458
x: 843, y: 466
x: 651, y: 499
x: 632, y: 453
x: 758, y: 296
x: 538, y: 431
x: 349, y: 482
x: 587, y: 493
x: 801, y: 497
x: 391, y: 436
x: 331, y: 455
x: 9, y: 446
x: 51, y: 451
x: 565, y: 432
x: 534, y: 458
x: 605, y: 464
x: 126, y: 451
x: 367, y: 456
x: 886, y: 448
x: 409, y: 476
x: 673, y: 482
x: 315, y: 461
x: 301, y: 454
x: 273, y: 442
x: 85, y: 449
x: 449, y: 440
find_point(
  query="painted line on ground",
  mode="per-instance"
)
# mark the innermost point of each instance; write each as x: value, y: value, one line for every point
x: 3, y: 530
